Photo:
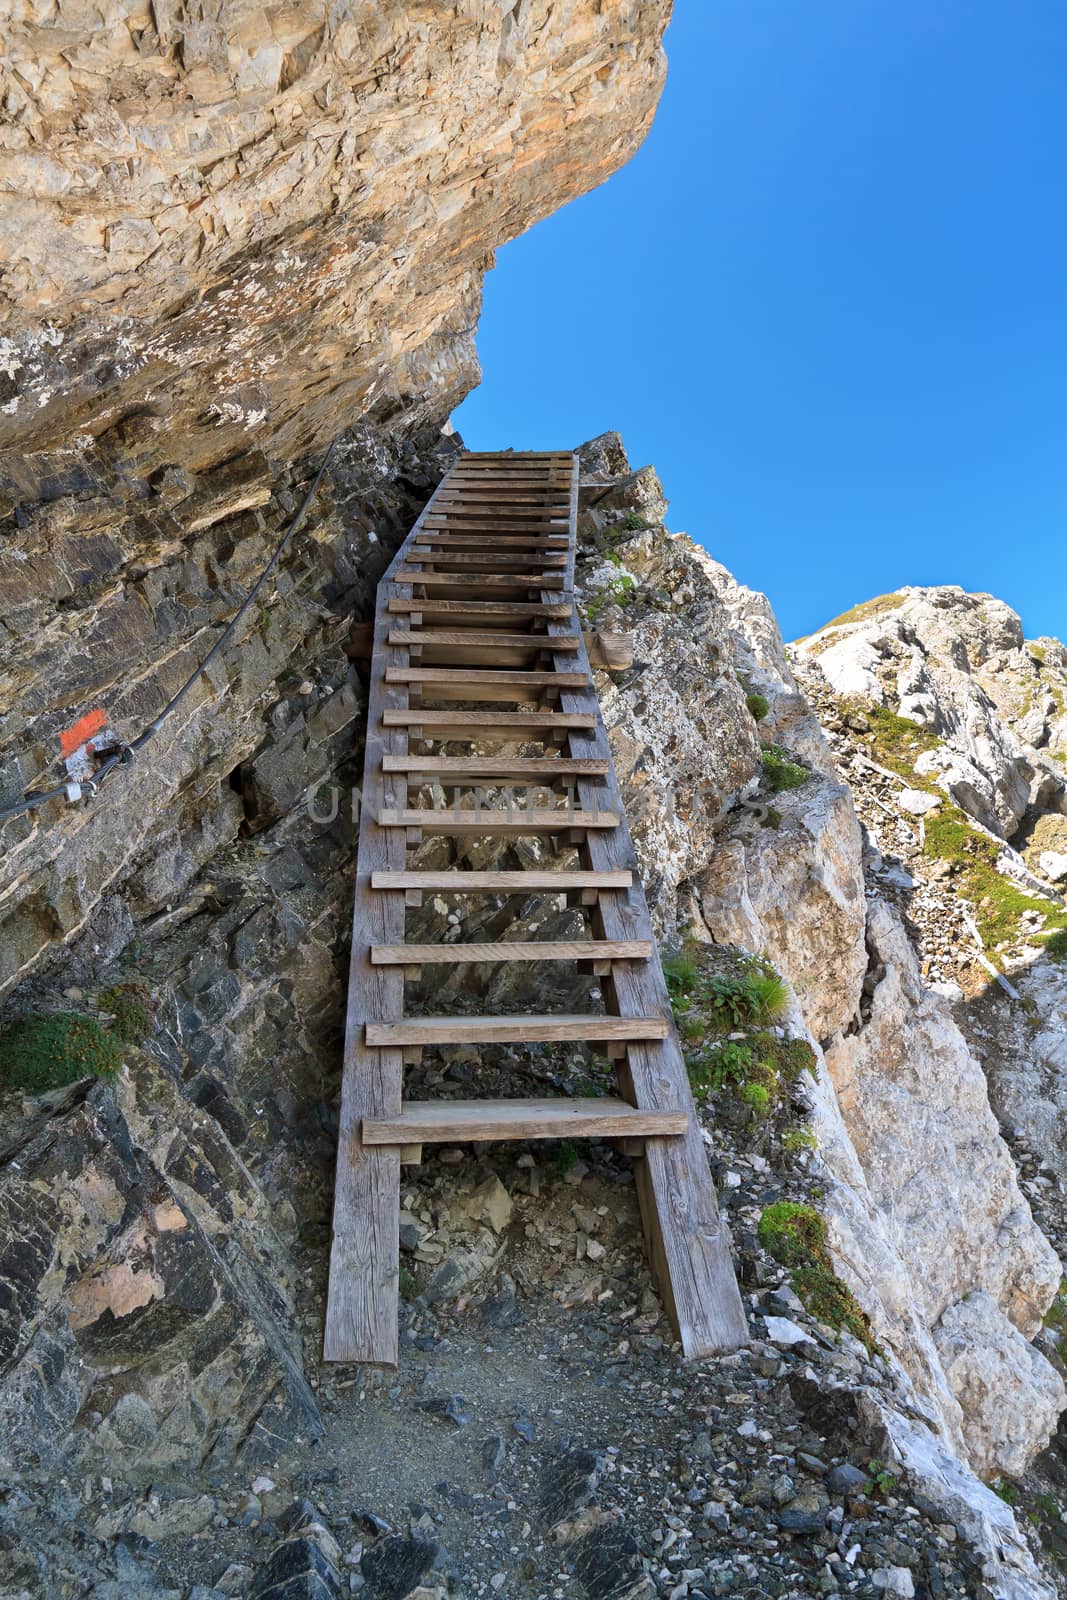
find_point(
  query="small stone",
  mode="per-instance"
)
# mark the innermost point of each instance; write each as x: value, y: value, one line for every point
x: 782, y: 1330
x: 493, y: 1453
x: 918, y: 802
x: 449, y: 1406
x: 847, y: 1479
x: 894, y: 1581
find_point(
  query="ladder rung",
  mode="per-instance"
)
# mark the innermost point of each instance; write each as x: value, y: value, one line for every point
x: 518, y: 820
x: 496, y: 766
x: 460, y: 678
x: 500, y: 882
x: 458, y: 1121
x: 483, y: 610
x: 483, y: 639
x: 479, y: 580
x: 514, y: 1030
x: 443, y: 955
x: 488, y: 557
x: 521, y: 722
x: 482, y: 541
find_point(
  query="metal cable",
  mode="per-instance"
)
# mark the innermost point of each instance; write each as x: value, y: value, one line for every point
x: 125, y: 754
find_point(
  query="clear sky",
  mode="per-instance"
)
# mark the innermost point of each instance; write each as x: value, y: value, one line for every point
x: 827, y: 299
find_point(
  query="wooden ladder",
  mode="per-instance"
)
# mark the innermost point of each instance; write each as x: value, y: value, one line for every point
x: 477, y: 609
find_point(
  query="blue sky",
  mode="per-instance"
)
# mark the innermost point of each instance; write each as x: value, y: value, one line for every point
x: 827, y: 299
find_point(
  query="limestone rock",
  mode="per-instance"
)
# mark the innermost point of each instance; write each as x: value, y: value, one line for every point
x: 942, y: 657
x: 1008, y: 1392
x: 270, y: 224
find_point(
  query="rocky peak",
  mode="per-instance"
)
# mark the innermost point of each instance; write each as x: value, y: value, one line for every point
x: 957, y: 665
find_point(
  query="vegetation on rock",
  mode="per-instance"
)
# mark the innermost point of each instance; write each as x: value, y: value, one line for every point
x: 796, y: 1236
x: 47, y: 1051
x: 780, y: 772
x: 999, y: 902
x: 130, y: 1010
x: 758, y: 704
x: 724, y: 1013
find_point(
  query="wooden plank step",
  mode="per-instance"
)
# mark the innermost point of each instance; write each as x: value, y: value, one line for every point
x: 524, y: 723
x: 487, y: 558
x: 444, y: 955
x: 452, y: 820
x: 461, y: 1121
x: 493, y: 766
x: 510, y: 494
x: 497, y: 882
x: 479, y: 580
x: 486, y: 610
x: 492, y: 521
x: 460, y: 678
x: 485, y: 541
x: 482, y: 639
x: 522, y: 1029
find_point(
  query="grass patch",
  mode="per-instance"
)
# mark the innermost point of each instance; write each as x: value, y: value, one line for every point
x: 56, y: 1048
x: 878, y: 606
x: 130, y: 1009
x: 780, y: 773
x: 758, y: 705
x: 892, y: 740
x: 796, y: 1236
x: 723, y: 1004
x: 999, y: 902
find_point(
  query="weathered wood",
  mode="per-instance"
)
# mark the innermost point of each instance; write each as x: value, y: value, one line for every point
x: 517, y: 820
x: 480, y: 638
x: 614, y: 652
x: 513, y: 1030
x: 461, y: 680
x: 479, y: 611
x: 460, y: 1121
x: 498, y: 882
x: 491, y: 541
x: 477, y: 582
x: 524, y: 724
x: 361, y: 1308
x: 517, y: 767
x: 504, y: 525
x: 431, y: 955
x: 686, y: 1240
x: 488, y: 559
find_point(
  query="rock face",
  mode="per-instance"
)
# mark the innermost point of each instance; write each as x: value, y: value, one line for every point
x: 273, y: 226
x: 957, y: 664
x: 904, y: 1105
x: 268, y: 227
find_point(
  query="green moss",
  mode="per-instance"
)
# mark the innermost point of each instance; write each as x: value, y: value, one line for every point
x: 617, y: 591
x: 798, y: 1138
x: 1056, y: 1315
x: 634, y: 522
x: 564, y: 1160
x: 796, y: 1235
x: 757, y: 704
x: 780, y: 772
x: 892, y: 740
x: 999, y: 902
x: 130, y: 1010
x: 45, y: 1052
x: 868, y: 608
